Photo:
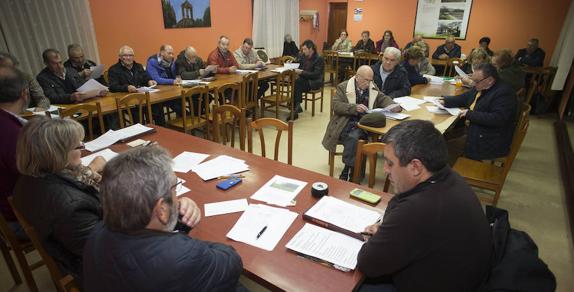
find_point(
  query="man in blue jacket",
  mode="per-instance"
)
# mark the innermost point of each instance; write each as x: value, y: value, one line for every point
x: 136, y: 249
x: 161, y: 68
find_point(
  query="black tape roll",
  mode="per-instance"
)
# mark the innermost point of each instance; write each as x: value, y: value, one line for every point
x: 319, y: 189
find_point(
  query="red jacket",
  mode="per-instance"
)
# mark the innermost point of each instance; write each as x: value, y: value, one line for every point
x: 224, y: 62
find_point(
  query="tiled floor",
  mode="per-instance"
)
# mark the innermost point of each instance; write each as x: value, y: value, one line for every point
x: 532, y: 194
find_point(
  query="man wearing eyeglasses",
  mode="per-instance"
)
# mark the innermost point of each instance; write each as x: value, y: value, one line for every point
x: 489, y: 113
x: 353, y: 99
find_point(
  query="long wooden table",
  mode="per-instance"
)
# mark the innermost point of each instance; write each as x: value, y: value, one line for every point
x: 441, y: 122
x: 279, y: 269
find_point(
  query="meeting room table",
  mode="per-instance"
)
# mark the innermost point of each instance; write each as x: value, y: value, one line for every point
x: 279, y: 269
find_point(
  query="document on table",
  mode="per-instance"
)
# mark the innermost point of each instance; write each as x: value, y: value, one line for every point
x: 435, y: 110
x: 186, y: 160
x: 193, y: 82
x: 52, y: 109
x: 434, y: 79
x: 453, y: 111
x: 91, y: 88
x: 460, y: 72
x: 286, y: 66
x: 431, y: 99
x: 107, y: 154
x: 97, y: 71
x: 111, y: 137
x: 342, y: 214
x: 409, y: 99
x: 219, y: 166
x: 150, y: 89
x: 225, y: 207
x: 262, y: 226
x: 280, y: 191
x: 183, y: 189
x: 330, y: 246
x: 396, y: 116
x: 243, y: 71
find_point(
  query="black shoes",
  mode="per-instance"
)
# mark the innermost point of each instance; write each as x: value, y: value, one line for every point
x: 295, y: 116
x: 299, y: 109
x: 347, y: 173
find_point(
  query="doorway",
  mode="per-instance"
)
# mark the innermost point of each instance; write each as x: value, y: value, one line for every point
x: 337, y: 22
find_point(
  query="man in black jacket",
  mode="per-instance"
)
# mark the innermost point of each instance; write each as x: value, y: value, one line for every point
x: 190, y: 66
x: 311, y: 70
x: 490, y: 116
x: 434, y: 235
x: 532, y: 55
x: 77, y: 62
x: 127, y: 75
x: 391, y: 78
x: 135, y: 249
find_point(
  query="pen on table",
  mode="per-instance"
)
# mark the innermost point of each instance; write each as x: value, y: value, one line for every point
x: 261, y: 232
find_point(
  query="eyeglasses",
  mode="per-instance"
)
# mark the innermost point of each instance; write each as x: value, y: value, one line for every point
x: 81, y: 147
x: 477, y: 82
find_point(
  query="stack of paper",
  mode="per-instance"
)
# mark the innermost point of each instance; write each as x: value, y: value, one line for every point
x: 435, y: 110
x: 286, y: 66
x: 187, y: 160
x: 431, y: 99
x: 97, y: 71
x: 150, y: 89
x: 91, y: 88
x: 52, y: 109
x: 409, y: 103
x: 107, y: 154
x: 193, y: 82
x: 452, y: 111
x: 326, y: 245
x: 262, y: 226
x: 219, y: 166
x: 280, y: 191
x: 434, y: 79
x: 111, y: 137
x: 225, y: 207
x: 244, y: 71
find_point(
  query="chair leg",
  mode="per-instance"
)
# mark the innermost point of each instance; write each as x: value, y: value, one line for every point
x: 313, y: 105
x: 305, y: 99
x: 25, y: 267
x: 10, y: 262
x: 496, y: 196
x: 331, y: 163
x: 322, y: 100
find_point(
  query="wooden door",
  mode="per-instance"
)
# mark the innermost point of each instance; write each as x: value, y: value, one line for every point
x: 337, y: 22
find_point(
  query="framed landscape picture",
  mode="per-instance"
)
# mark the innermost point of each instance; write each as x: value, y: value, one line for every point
x: 186, y: 13
x: 441, y: 18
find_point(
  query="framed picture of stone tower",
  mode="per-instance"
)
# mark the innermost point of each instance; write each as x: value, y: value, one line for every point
x: 186, y: 13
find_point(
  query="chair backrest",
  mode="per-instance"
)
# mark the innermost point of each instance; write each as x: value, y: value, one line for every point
x: 85, y: 111
x: 546, y: 79
x: 331, y: 107
x: 7, y: 236
x: 191, y: 109
x: 450, y: 71
x: 53, y: 268
x: 331, y: 60
x: 517, y: 138
x: 249, y: 91
x: 362, y: 58
x: 228, y: 93
x: 369, y: 150
x: 124, y: 107
x: 285, y: 86
x: 286, y: 59
x: 280, y: 126
x: 531, y: 90
x: 227, y: 117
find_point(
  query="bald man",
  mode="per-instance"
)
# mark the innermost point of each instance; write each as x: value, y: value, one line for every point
x: 352, y: 100
x: 190, y: 66
x: 161, y: 66
x: 127, y: 75
x: 447, y: 50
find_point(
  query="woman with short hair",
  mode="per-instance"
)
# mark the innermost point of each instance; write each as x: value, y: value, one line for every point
x: 413, y: 56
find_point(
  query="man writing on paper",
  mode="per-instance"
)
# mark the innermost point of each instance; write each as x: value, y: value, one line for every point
x: 434, y: 235
x: 391, y: 78
x: 59, y: 84
x: 490, y: 112
x: 353, y: 99
x: 78, y: 63
x: 249, y: 60
x: 136, y: 240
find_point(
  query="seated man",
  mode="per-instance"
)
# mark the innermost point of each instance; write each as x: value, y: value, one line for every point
x: 37, y: 97
x: 434, y: 235
x: 343, y: 43
x: 390, y: 77
x: 249, y: 60
x: 416, y: 38
x: 78, y: 63
x: 365, y: 44
x: 413, y: 57
x: 532, y: 55
x: 161, y: 68
x: 14, y: 99
x: 490, y: 116
x: 222, y: 57
x: 509, y: 71
x: 190, y: 66
x: 447, y: 50
x: 127, y: 75
x: 136, y: 239
x: 353, y: 99
x: 311, y: 70
x: 60, y: 84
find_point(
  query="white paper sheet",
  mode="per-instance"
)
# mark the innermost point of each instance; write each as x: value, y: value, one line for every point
x: 276, y: 221
x: 435, y: 110
x: 343, y: 214
x: 182, y: 189
x: 150, y: 89
x: 186, y: 160
x: 409, y: 99
x: 97, y: 71
x: 409, y: 106
x: 291, y: 65
x: 91, y: 88
x: 431, y: 99
x: 396, y: 116
x: 111, y: 137
x: 107, y: 154
x: 434, y: 79
x: 219, y: 166
x: 460, y: 72
x: 279, y: 190
x: 453, y: 111
x: 225, y: 207
x: 327, y: 245
x: 243, y: 71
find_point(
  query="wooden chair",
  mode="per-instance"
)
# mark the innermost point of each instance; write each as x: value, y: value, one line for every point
x: 360, y: 59
x: 333, y: 154
x: 195, y: 111
x: 228, y: 93
x: 53, y: 268
x: 332, y: 66
x: 316, y: 94
x: 227, y: 117
x: 85, y: 111
x: 491, y: 176
x: 283, y: 96
x: 249, y: 94
x: 449, y: 68
x: 280, y: 126
x: 127, y: 104
x: 531, y: 91
x: 282, y: 61
x: 9, y: 241
x: 369, y: 150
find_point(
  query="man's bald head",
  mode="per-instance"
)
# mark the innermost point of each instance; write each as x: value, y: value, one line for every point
x: 364, y: 77
x: 190, y: 53
x: 365, y: 71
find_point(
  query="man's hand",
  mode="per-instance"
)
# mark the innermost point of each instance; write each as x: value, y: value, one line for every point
x: 211, y: 68
x: 361, y: 108
x: 232, y: 69
x: 370, y: 231
x: 177, y: 81
x: 86, y: 73
x: 97, y: 164
x: 443, y: 57
x: 78, y: 96
x: 259, y: 64
x: 132, y: 89
x: 298, y: 71
x: 397, y: 109
x: 463, y: 113
x: 152, y: 83
x: 441, y: 100
x: 191, y: 214
x: 103, y: 92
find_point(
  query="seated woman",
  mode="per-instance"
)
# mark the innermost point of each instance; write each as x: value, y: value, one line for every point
x: 425, y: 67
x: 290, y: 47
x: 477, y: 57
x: 343, y: 43
x: 388, y: 40
x: 413, y: 57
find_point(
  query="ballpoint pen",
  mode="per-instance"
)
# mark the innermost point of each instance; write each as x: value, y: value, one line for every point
x: 261, y: 232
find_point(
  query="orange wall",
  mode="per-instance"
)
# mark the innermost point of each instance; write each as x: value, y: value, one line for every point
x: 509, y: 23
x: 139, y: 24
x: 306, y: 31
